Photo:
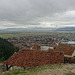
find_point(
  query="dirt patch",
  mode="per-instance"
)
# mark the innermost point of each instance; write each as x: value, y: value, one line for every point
x: 68, y: 69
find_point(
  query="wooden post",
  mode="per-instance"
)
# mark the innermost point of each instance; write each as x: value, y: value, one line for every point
x: 6, y: 67
x: 9, y: 67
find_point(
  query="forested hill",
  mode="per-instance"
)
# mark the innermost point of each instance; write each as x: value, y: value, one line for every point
x: 6, y: 49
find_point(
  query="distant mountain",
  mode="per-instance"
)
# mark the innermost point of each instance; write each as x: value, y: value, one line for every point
x: 66, y: 29
x: 40, y: 28
x: 13, y: 29
x: 26, y: 29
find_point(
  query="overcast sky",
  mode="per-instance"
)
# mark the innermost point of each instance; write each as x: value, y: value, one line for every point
x: 37, y: 13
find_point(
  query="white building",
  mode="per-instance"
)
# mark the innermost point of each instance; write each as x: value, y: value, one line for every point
x: 46, y: 47
x: 69, y: 42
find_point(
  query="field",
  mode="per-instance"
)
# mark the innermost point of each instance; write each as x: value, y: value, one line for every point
x: 57, y: 69
x: 68, y: 34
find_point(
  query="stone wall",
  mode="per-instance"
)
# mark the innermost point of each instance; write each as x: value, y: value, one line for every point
x: 2, y: 67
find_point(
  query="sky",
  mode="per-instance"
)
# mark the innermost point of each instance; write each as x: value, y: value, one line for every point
x: 37, y: 13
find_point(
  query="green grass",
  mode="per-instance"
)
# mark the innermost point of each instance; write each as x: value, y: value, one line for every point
x: 33, y: 70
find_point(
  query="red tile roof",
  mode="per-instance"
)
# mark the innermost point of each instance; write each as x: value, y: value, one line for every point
x: 30, y: 58
x: 36, y: 46
x: 51, y: 50
x: 67, y: 49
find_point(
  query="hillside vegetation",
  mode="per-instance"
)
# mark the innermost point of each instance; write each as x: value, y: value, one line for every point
x: 56, y: 69
x: 6, y: 49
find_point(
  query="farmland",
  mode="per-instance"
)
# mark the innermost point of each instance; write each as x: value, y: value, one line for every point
x: 68, y: 34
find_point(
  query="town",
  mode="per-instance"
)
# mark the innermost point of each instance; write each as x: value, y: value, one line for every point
x: 44, y: 41
x: 36, y: 50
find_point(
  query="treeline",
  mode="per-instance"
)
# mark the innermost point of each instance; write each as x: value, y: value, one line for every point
x: 6, y: 49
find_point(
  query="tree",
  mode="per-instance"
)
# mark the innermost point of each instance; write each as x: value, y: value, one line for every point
x: 6, y: 49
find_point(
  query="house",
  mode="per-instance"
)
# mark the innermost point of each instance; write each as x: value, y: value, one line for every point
x: 45, y: 47
x: 36, y: 46
x: 69, y: 51
x: 30, y: 58
x: 69, y: 42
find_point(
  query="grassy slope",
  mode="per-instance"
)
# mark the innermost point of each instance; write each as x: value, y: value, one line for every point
x: 34, y: 70
x: 57, y: 69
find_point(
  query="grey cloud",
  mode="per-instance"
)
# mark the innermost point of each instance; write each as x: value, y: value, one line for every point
x: 32, y: 12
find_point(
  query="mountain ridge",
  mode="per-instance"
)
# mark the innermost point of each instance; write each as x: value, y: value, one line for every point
x: 66, y: 29
x: 40, y: 28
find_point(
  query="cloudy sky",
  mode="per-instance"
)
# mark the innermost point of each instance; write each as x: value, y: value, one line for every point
x: 37, y: 13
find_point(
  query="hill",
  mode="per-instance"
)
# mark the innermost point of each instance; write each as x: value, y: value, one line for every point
x: 40, y: 28
x: 27, y: 29
x: 66, y: 29
x: 6, y: 49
